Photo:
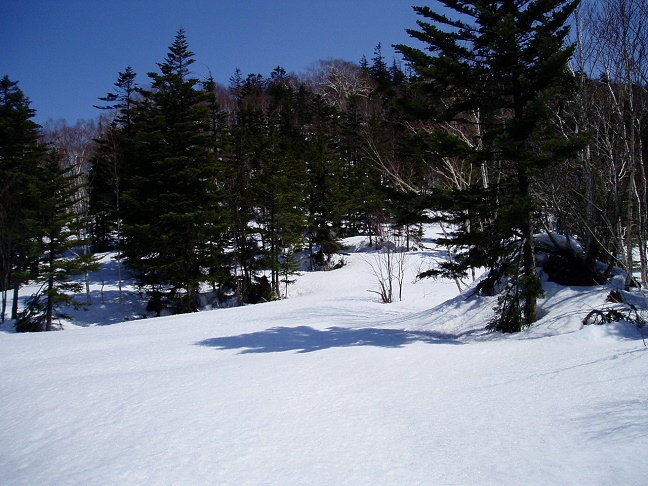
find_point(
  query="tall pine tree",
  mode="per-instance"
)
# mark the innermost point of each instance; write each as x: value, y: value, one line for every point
x: 505, y: 60
x: 172, y: 202
x: 20, y: 154
x: 56, y: 227
x: 280, y: 182
x: 245, y: 148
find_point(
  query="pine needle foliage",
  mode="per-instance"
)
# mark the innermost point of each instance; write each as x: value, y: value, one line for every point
x: 494, y: 67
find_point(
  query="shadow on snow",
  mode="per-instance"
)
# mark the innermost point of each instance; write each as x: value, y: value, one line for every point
x: 304, y: 339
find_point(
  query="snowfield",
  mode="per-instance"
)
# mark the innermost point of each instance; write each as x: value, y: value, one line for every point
x: 328, y: 387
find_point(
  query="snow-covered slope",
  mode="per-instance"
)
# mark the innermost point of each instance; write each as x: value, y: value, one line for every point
x: 328, y: 387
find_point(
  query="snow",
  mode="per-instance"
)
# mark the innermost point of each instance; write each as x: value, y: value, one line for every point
x: 328, y: 387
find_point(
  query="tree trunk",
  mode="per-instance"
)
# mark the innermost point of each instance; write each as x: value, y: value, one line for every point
x: 86, y: 251
x: 14, y: 304
x: 529, y: 291
x: 49, y: 292
x: 4, y: 305
x: 642, y: 234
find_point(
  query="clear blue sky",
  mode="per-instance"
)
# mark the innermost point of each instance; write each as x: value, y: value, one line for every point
x: 67, y: 53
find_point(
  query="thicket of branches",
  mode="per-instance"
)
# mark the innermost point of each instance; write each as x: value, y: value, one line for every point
x: 198, y: 185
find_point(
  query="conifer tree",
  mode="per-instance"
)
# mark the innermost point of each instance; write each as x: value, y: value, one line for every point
x: 20, y: 154
x: 122, y: 101
x: 172, y: 203
x: 106, y: 165
x: 246, y: 141
x: 506, y: 60
x: 280, y: 182
x: 378, y: 69
x: 57, y: 228
x: 104, y: 181
x: 362, y: 176
x: 327, y: 188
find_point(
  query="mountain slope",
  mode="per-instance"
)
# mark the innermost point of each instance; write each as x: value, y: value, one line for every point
x: 329, y: 387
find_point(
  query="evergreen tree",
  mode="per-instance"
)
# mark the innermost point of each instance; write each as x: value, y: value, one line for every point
x: 364, y: 65
x: 57, y: 227
x: 172, y: 203
x: 397, y: 75
x: 122, y: 102
x: 20, y: 154
x: 280, y: 183
x: 246, y: 141
x: 219, y: 265
x: 506, y: 60
x: 362, y: 177
x: 288, y: 267
x: 378, y: 69
x: 104, y: 181
x: 106, y: 165
x: 217, y: 118
x: 327, y: 188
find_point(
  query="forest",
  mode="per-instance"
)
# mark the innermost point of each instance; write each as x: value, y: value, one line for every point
x: 502, y: 122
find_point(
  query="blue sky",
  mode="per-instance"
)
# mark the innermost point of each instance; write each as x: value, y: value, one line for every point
x: 65, y: 53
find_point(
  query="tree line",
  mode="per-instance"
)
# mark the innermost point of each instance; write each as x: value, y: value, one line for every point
x: 501, y: 126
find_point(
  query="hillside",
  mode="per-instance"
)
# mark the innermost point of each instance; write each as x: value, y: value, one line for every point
x: 329, y: 386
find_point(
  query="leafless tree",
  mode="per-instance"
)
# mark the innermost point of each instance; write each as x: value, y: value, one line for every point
x: 622, y: 31
x: 612, y: 105
x: 389, y: 264
x: 339, y: 80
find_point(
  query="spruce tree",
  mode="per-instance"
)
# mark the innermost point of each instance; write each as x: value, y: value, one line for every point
x: 172, y: 202
x: 245, y: 144
x: 505, y: 60
x: 281, y: 179
x: 56, y: 225
x: 379, y: 70
x: 20, y: 154
x: 327, y: 185
x: 104, y: 181
x: 361, y: 175
x: 107, y: 163
x: 122, y: 101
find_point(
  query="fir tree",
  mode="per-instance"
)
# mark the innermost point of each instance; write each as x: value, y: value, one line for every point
x: 378, y: 69
x: 104, y: 180
x: 122, y: 101
x: 327, y: 188
x: 288, y: 267
x: 280, y: 183
x: 20, y: 154
x: 245, y: 146
x: 361, y: 175
x: 506, y: 60
x: 57, y: 227
x: 106, y: 165
x: 172, y: 202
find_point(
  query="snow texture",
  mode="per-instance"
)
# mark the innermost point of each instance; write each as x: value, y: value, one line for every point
x: 328, y: 387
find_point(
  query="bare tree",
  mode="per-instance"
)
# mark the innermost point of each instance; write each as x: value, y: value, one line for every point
x: 436, y: 168
x: 337, y: 81
x: 604, y: 201
x: 389, y: 264
x: 617, y: 41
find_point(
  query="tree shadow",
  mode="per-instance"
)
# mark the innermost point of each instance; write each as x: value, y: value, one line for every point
x: 107, y: 308
x: 304, y: 339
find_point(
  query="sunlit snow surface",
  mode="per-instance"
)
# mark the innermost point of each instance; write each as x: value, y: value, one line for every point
x: 328, y: 387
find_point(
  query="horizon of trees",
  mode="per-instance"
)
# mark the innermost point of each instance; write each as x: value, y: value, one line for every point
x: 199, y: 185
